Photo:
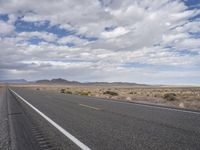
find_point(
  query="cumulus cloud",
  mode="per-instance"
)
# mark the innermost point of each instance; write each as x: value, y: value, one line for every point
x: 115, y: 33
x: 6, y: 28
x: 102, y: 40
x: 49, y: 37
x: 72, y: 39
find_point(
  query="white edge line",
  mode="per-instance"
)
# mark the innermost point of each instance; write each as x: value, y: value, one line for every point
x: 63, y: 131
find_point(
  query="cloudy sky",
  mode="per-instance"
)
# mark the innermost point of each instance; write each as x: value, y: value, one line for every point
x: 143, y: 41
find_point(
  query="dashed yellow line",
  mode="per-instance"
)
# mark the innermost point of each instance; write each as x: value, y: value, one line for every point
x: 83, y: 105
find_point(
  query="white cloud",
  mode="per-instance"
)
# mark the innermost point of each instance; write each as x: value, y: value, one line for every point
x: 41, y: 35
x: 6, y: 28
x: 129, y: 14
x: 174, y: 37
x: 147, y: 32
x: 115, y: 33
x: 72, y: 39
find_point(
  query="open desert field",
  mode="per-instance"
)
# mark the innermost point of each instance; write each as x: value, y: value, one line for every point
x: 173, y: 96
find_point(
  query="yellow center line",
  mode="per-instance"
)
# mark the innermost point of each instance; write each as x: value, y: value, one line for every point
x: 83, y: 105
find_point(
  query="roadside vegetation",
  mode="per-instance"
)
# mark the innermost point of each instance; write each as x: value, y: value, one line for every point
x: 184, y: 97
x: 170, y: 96
x: 65, y: 91
x: 82, y: 93
x: 111, y: 93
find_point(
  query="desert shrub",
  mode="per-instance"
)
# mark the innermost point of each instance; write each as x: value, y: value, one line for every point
x: 68, y: 92
x: 130, y: 92
x: 111, y: 93
x: 170, y: 96
x: 84, y: 93
x: 38, y: 89
x: 62, y: 90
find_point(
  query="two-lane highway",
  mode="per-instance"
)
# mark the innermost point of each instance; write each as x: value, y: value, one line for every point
x: 111, y: 125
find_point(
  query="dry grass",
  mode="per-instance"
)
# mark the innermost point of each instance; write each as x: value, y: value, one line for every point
x: 185, y: 97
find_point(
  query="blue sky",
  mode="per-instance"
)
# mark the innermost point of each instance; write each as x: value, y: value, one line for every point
x: 155, y: 42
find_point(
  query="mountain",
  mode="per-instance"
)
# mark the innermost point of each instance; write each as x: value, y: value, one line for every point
x: 63, y: 81
x: 57, y: 81
x: 14, y: 81
x: 115, y: 83
x: 43, y: 81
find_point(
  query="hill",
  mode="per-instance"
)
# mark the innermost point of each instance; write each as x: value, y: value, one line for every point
x: 63, y: 81
x: 14, y: 81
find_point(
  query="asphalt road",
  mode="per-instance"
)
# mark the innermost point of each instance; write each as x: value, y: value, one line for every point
x: 103, y: 124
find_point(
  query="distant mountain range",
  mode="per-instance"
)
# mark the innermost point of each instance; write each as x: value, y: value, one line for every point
x: 14, y: 81
x: 57, y: 81
x: 63, y: 81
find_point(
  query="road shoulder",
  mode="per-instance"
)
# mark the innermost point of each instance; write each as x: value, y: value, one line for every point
x: 4, y: 129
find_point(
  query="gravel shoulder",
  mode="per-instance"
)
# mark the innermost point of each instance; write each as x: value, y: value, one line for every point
x: 4, y: 138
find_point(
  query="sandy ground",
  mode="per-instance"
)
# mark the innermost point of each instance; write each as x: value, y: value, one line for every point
x: 186, y: 97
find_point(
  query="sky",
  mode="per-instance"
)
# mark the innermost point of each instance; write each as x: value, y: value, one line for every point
x: 142, y: 41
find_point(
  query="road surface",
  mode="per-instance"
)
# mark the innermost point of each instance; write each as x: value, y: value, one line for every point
x: 97, y: 124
